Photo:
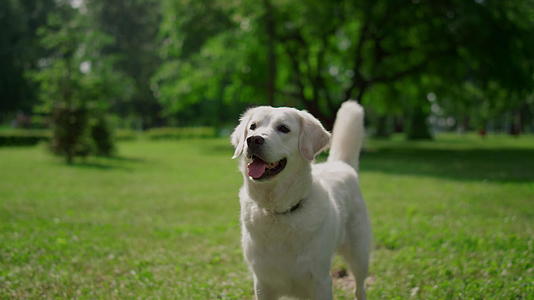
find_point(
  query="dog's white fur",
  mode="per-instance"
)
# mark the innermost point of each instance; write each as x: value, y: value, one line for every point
x: 290, y: 252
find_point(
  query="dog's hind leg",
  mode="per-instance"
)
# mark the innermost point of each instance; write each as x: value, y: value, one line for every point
x: 356, y: 254
x: 323, y: 289
x: 358, y: 261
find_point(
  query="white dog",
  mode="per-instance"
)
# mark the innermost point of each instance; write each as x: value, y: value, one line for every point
x: 295, y: 214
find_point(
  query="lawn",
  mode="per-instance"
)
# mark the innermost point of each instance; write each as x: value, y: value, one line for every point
x: 452, y: 219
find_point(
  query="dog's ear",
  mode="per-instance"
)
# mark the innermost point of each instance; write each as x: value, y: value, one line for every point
x: 240, y: 132
x: 313, y: 137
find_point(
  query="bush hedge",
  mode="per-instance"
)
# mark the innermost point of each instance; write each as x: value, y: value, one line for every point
x: 180, y: 133
x: 23, y: 137
x: 30, y: 137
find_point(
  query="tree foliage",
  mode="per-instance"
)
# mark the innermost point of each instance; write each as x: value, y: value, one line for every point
x: 328, y: 51
x: 202, y: 62
x: 20, y: 51
x: 133, y: 26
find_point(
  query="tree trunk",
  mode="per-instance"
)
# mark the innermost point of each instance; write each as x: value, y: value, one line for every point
x: 417, y: 128
x: 69, y: 157
x: 383, y: 127
x: 326, y: 119
x: 398, y: 126
x: 515, y: 126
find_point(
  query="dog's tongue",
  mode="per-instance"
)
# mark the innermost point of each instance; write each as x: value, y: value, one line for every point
x: 256, y: 168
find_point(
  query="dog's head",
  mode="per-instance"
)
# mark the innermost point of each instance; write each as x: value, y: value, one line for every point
x: 272, y: 139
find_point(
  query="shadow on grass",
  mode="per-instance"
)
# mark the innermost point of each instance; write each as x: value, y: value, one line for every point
x: 496, y: 164
x: 123, y: 158
x: 95, y: 165
x: 107, y: 163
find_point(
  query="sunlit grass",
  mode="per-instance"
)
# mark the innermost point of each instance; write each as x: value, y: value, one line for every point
x: 452, y: 219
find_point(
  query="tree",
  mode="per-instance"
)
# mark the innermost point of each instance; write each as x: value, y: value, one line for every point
x: 206, y: 75
x: 76, y: 81
x: 133, y: 25
x: 324, y: 52
x: 382, y: 42
x: 20, y: 52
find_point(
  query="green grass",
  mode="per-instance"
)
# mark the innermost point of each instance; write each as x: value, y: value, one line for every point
x: 452, y: 219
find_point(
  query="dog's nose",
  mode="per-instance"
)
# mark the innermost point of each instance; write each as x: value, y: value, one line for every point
x: 255, y: 141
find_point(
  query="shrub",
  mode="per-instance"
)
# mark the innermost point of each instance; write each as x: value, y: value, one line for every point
x: 102, y: 137
x: 70, y: 132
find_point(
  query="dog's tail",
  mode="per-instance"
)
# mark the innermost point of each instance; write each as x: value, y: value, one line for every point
x: 348, y: 133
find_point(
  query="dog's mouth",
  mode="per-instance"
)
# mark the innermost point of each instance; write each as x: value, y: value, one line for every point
x: 258, y: 169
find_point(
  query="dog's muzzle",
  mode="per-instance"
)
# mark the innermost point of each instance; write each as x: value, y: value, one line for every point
x: 259, y: 168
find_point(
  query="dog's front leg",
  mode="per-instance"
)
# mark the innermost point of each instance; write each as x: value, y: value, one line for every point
x: 323, y: 289
x: 263, y: 292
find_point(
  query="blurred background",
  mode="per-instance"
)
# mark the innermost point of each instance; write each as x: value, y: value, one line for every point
x: 86, y: 67
x: 138, y: 97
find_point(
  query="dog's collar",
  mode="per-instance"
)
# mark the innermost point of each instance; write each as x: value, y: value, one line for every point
x: 291, y: 209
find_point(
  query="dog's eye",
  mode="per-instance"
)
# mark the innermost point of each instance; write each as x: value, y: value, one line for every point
x: 252, y: 126
x: 283, y: 128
